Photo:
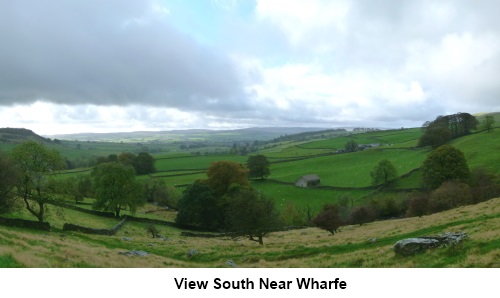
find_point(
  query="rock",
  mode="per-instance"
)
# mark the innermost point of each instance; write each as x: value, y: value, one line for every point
x: 131, y: 253
x: 192, y: 253
x: 230, y: 263
x: 151, y: 244
x: 411, y: 246
x: 373, y: 240
x: 127, y: 239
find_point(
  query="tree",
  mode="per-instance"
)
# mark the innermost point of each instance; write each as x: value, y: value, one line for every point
x: 144, y: 164
x: 9, y: 177
x: 329, y: 218
x: 488, y: 122
x: 383, y: 173
x: 351, y: 146
x: 200, y: 207
x: 445, y: 128
x: 35, y: 162
x: 153, y: 230
x: 127, y: 158
x: 258, y: 166
x: 222, y: 174
x: 116, y: 188
x: 250, y: 213
x: 156, y: 191
x: 435, y: 136
x: 443, y: 164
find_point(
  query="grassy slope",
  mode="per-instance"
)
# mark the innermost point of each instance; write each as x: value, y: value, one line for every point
x: 300, y: 248
x: 481, y: 149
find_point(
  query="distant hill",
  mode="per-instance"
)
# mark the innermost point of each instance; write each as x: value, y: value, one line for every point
x: 221, y: 136
x: 19, y: 135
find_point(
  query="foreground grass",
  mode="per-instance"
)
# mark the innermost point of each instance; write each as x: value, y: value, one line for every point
x: 309, y: 247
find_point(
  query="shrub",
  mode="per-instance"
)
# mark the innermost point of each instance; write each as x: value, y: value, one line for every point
x: 449, y: 195
x: 418, y: 205
x: 483, y: 185
x: 361, y: 215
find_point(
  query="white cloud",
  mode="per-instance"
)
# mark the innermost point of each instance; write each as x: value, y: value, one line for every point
x: 298, y: 18
x: 325, y: 63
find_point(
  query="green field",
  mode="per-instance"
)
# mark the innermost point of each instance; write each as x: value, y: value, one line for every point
x: 350, y: 169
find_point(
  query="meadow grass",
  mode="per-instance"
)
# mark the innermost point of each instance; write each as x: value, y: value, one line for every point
x: 481, y: 149
x: 309, y: 247
x: 350, y: 169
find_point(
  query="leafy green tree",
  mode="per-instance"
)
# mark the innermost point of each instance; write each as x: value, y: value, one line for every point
x: 35, y: 162
x: 329, y: 218
x: 222, y: 174
x: 444, y: 128
x: 351, y: 146
x: 200, y: 207
x: 435, y: 136
x: 258, y: 166
x: 443, y: 164
x: 9, y: 178
x: 383, y: 173
x: 488, y: 122
x: 127, y: 158
x: 156, y: 191
x: 116, y: 188
x: 250, y: 213
x: 144, y: 164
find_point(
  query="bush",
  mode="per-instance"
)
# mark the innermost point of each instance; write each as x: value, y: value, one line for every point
x: 483, y: 185
x: 387, y: 207
x: 418, y: 205
x: 449, y: 195
x: 361, y: 215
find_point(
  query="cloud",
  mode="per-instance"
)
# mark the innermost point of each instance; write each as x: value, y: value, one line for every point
x: 109, y: 53
x: 387, y: 63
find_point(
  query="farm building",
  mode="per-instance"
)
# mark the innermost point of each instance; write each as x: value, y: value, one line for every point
x: 308, y: 181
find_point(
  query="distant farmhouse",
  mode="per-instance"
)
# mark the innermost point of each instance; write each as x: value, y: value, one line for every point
x: 308, y: 181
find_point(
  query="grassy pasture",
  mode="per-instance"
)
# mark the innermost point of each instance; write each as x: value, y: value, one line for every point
x: 481, y: 149
x: 312, y: 247
x: 397, y: 137
x: 350, y: 169
x: 301, y: 198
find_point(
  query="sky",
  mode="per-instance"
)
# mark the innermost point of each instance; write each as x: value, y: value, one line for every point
x: 138, y: 65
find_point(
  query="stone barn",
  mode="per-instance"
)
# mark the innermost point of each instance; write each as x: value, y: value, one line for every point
x: 308, y: 181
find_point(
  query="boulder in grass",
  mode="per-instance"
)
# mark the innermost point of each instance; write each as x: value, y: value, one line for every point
x: 192, y: 252
x: 131, y: 253
x: 412, y: 246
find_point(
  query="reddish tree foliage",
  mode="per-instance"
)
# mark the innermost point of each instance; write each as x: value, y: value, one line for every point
x: 329, y: 218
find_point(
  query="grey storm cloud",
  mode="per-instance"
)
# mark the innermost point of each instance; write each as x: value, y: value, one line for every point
x: 108, y: 53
